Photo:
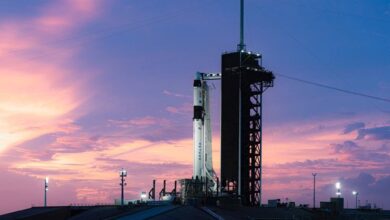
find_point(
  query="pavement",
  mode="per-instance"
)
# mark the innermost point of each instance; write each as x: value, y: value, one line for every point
x: 146, y: 214
x: 184, y: 212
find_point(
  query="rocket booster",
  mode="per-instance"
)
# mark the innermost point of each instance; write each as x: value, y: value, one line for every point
x: 203, y: 163
x: 198, y: 129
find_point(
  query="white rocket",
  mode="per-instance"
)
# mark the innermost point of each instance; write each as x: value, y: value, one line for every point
x: 203, y: 162
x: 198, y: 127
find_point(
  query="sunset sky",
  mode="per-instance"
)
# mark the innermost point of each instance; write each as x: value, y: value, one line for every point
x: 90, y: 86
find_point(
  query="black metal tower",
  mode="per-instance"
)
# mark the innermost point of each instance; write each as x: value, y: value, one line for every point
x: 243, y: 82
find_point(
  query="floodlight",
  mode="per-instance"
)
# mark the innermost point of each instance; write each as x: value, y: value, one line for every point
x: 355, y: 193
x: 123, y: 172
x: 338, y: 185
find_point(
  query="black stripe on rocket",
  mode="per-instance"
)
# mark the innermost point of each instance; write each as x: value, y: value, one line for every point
x: 198, y: 109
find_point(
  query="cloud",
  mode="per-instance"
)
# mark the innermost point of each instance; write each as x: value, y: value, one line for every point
x: 44, y: 147
x: 61, y: 17
x: 152, y: 128
x: 40, y: 100
x: 346, y: 147
x: 385, y: 147
x: 140, y: 122
x: 377, y: 133
x: 37, y: 95
x: 360, y: 153
x: 363, y: 180
x: 310, y: 164
x: 352, y: 127
x: 91, y: 195
x: 137, y: 155
x: 185, y: 109
x: 169, y: 93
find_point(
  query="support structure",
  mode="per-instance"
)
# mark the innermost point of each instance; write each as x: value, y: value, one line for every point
x: 163, y: 190
x: 314, y: 190
x: 122, y: 174
x: 45, y: 191
x: 174, y: 190
x: 152, y: 192
x: 244, y: 81
x: 243, y: 84
x: 356, y: 198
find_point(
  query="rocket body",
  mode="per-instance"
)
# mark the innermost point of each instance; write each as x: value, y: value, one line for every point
x: 198, y: 129
x: 202, y: 137
x: 207, y: 138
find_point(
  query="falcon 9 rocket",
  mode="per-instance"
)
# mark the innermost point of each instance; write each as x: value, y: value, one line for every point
x: 203, y: 163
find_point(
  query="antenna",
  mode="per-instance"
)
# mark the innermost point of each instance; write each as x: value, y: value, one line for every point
x: 241, y: 45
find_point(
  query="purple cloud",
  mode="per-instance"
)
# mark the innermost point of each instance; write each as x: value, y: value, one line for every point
x: 153, y: 129
x: 358, y: 153
x: 363, y: 180
x: 378, y: 133
x: 320, y: 163
x: 346, y: 147
x: 352, y: 127
x: 169, y: 93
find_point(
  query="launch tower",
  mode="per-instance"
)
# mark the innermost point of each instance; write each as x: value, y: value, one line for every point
x: 244, y: 81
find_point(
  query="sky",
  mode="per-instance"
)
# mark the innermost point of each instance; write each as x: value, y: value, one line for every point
x: 88, y: 87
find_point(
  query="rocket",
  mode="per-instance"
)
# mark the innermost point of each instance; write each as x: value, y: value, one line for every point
x: 202, y: 138
x: 198, y: 129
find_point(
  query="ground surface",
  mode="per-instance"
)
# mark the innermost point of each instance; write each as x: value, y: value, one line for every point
x: 183, y: 212
x: 176, y: 212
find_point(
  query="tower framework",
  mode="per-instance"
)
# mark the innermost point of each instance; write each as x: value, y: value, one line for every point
x: 244, y: 81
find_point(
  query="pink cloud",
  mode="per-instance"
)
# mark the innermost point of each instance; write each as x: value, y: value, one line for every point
x: 11, y: 40
x: 36, y: 95
x: 91, y: 195
x: 61, y: 17
x: 169, y: 93
x: 32, y: 104
x: 140, y: 122
x: 185, y: 108
x: 53, y: 23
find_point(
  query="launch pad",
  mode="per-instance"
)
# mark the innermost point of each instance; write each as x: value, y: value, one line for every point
x: 243, y: 82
